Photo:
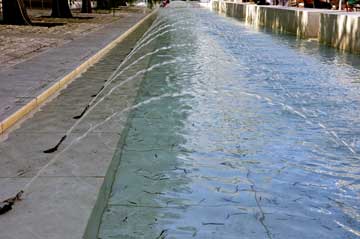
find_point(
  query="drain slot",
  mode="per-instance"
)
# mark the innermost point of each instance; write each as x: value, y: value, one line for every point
x: 82, y: 113
x: 55, y: 148
x: 94, y: 95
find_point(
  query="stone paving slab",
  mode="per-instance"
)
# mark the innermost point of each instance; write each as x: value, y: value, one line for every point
x: 20, y: 43
x: 60, y: 202
x: 32, y: 218
x: 31, y: 78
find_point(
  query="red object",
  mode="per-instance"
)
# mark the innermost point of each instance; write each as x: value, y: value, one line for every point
x: 165, y: 3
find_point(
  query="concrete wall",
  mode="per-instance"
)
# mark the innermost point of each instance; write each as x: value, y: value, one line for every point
x: 341, y: 31
x: 336, y: 29
x: 283, y: 19
x: 91, y: 231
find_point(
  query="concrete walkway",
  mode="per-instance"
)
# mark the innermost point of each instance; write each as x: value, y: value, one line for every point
x: 23, y: 83
x: 58, y: 204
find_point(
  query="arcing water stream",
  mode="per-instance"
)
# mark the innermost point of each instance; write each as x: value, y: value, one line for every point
x: 236, y: 133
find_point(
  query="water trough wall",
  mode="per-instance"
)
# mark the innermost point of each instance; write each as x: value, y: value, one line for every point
x: 336, y: 29
x: 91, y: 231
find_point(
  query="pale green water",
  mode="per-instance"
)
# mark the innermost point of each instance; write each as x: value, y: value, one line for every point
x: 239, y: 134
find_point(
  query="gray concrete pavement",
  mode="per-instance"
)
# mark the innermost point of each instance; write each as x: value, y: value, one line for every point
x: 59, y: 203
x: 23, y: 82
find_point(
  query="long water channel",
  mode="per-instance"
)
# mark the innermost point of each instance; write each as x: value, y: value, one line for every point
x: 237, y: 133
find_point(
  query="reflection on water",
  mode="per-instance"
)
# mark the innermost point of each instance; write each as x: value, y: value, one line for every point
x: 252, y: 135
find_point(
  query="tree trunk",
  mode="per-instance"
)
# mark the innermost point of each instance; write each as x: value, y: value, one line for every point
x: 102, y: 4
x: 61, y: 9
x: 86, y: 6
x: 14, y: 12
x: 121, y: 3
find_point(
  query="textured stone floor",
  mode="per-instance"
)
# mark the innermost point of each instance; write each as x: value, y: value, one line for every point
x: 58, y: 204
x: 20, y: 43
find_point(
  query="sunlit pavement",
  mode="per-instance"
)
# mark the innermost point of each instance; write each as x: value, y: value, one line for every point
x: 61, y: 187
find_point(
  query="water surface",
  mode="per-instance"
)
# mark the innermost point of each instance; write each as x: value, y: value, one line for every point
x: 237, y: 133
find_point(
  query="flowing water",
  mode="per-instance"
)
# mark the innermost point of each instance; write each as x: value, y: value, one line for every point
x: 237, y: 133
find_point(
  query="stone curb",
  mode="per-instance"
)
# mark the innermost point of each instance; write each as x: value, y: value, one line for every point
x: 94, y: 221
x: 60, y: 84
